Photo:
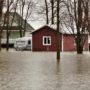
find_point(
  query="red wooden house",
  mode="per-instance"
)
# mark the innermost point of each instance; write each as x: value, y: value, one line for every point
x: 45, y: 39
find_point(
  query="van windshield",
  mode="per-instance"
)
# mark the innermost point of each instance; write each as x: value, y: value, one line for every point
x: 20, y: 42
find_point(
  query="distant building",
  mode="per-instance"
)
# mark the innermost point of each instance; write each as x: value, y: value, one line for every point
x: 45, y: 39
x: 15, y: 28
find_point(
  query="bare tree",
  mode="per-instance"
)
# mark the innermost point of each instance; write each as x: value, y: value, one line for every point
x: 52, y: 12
x: 9, y: 6
x: 58, y: 22
x: 26, y: 8
x: 52, y: 9
x: 29, y: 11
x: 1, y: 6
x: 9, y: 27
x: 46, y: 11
x: 76, y: 20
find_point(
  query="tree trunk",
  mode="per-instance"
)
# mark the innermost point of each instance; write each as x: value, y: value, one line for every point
x: 46, y: 11
x: 20, y: 31
x: 52, y: 3
x: 58, y: 41
x: 24, y: 29
x: 20, y: 27
x: 7, y: 44
x: 0, y: 42
x: 1, y: 6
x: 7, y: 47
x: 79, y: 46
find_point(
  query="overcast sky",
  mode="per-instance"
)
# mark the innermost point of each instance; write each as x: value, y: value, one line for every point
x: 37, y: 23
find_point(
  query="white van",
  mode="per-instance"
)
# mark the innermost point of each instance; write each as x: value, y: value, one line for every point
x: 23, y: 43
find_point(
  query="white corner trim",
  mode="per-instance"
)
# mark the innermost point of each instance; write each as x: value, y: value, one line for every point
x: 62, y: 42
x: 88, y: 42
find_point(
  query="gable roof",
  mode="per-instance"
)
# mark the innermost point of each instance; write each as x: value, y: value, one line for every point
x: 53, y: 27
x: 17, y: 19
x: 44, y: 27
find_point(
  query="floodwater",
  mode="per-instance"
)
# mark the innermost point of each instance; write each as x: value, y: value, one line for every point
x: 26, y: 70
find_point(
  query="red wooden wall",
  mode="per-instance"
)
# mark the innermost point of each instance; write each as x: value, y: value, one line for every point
x: 68, y: 43
x: 37, y: 39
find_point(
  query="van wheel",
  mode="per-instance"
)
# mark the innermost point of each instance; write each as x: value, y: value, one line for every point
x: 17, y: 49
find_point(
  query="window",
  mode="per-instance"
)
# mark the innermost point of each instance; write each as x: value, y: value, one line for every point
x: 20, y: 42
x: 75, y: 40
x: 29, y: 42
x: 82, y: 40
x: 46, y: 40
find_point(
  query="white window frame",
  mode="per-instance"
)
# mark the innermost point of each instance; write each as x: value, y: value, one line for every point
x: 46, y: 40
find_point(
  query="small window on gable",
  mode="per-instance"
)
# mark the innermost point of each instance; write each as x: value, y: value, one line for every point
x: 29, y: 42
x: 46, y: 40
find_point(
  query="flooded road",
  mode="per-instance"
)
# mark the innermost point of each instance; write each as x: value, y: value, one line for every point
x: 26, y: 70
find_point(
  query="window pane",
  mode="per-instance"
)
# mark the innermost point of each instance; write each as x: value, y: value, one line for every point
x: 48, y: 40
x: 44, y: 40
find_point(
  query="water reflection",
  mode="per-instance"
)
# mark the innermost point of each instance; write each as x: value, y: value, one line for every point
x: 58, y: 67
x: 58, y: 84
x: 79, y: 66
